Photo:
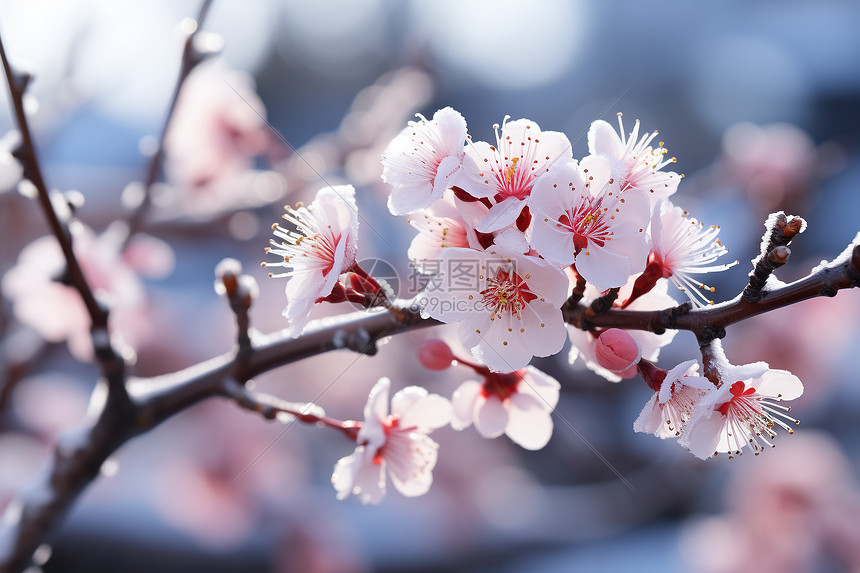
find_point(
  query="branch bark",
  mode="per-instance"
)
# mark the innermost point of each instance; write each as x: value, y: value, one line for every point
x: 156, y: 399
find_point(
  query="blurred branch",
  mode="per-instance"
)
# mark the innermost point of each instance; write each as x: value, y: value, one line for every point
x: 191, y: 58
x: 271, y: 408
x: 79, y: 456
x: 111, y: 363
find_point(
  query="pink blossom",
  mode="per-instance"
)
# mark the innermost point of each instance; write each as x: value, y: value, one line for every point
x: 674, y: 400
x: 397, y: 442
x: 323, y: 245
x: 506, y: 172
x: 423, y: 160
x: 584, y: 343
x: 508, y: 305
x: 439, y: 226
x: 681, y: 247
x: 743, y: 411
x: 56, y: 311
x: 582, y: 218
x: 635, y: 164
x: 218, y: 128
x: 518, y: 404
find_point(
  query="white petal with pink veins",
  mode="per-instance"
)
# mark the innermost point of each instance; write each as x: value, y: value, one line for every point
x: 411, y: 463
x: 423, y: 160
x: 492, y: 418
x: 650, y: 418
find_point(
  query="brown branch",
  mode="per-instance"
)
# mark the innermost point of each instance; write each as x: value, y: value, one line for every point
x: 77, y: 461
x: 710, y: 322
x: 111, y: 363
x: 271, y: 408
x: 191, y: 58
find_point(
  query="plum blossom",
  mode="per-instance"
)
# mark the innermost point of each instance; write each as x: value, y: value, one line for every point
x: 518, y: 404
x: 507, y: 172
x: 582, y: 218
x: 323, y: 245
x: 440, y: 226
x: 676, y: 394
x: 743, y: 411
x: 681, y: 247
x: 55, y: 310
x: 218, y: 128
x: 584, y: 342
x: 635, y: 164
x: 508, y: 305
x: 424, y: 160
x: 397, y: 442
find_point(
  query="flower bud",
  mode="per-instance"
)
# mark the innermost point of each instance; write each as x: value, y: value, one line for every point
x: 227, y: 275
x: 617, y: 350
x: 435, y: 355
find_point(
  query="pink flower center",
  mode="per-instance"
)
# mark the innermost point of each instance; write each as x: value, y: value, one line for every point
x: 393, y: 433
x: 508, y: 292
x: 740, y: 405
x: 501, y: 385
x: 588, y: 222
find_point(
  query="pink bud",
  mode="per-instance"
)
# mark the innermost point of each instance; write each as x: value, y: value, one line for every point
x: 617, y: 350
x: 435, y: 355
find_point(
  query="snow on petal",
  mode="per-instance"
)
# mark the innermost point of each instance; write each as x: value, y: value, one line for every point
x: 743, y: 413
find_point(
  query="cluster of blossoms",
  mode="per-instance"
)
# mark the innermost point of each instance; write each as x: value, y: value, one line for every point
x: 507, y: 233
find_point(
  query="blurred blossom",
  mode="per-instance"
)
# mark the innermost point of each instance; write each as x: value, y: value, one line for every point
x: 794, y: 509
x: 809, y: 339
x: 23, y: 456
x: 504, y: 44
x: 218, y: 128
x: 769, y: 162
x: 317, y: 543
x: 48, y: 403
x: 56, y: 310
x: 213, y: 484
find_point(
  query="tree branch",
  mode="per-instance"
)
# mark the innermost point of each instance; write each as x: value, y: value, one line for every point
x: 77, y: 460
x: 111, y: 363
x: 191, y: 58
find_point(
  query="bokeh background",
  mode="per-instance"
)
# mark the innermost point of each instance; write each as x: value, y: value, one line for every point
x: 760, y: 103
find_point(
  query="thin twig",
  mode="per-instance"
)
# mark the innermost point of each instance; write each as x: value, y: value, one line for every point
x: 190, y: 60
x: 77, y: 461
x: 111, y: 363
